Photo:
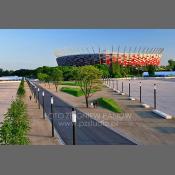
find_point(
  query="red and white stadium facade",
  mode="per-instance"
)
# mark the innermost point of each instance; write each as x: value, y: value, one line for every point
x: 133, y: 59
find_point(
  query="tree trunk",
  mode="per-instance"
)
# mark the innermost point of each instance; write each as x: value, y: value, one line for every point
x: 87, y: 105
x: 56, y: 88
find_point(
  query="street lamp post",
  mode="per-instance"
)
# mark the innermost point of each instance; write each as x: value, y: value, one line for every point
x: 74, y: 120
x: 52, y: 119
x: 43, y: 105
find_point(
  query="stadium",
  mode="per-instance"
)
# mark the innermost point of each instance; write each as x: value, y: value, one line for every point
x: 140, y: 58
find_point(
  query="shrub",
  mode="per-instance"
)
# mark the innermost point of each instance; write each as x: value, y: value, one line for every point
x: 21, y: 90
x: 110, y: 104
x: 16, y: 125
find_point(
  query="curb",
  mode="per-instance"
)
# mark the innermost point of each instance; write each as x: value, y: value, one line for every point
x: 145, y: 105
x: 162, y: 114
x: 132, y: 98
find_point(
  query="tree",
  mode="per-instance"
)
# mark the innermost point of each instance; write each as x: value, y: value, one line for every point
x: 43, y: 77
x: 151, y: 70
x: 56, y: 77
x: 171, y: 65
x: 104, y: 69
x: 88, y: 78
x: 16, y: 125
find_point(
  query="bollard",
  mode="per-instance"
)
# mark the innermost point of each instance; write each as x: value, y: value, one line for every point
x: 122, y: 86
x: 38, y: 99
x: 35, y: 94
x: 74, y: 120
x: 155, y: 102
x: 43, y: 105
x: 51, y: 109
x: 140, y: 84
x: 129, y: 89
x: 117, y: 84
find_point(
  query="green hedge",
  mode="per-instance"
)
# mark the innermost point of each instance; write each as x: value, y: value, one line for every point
x: 110, y: 104
x: 73, y: 91
x: 16, y: 125
x: 21, y: 89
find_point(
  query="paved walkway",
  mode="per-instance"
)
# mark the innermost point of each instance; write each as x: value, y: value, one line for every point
x: 165, y: 92
x: 8, y: 91
x: 137, y: 123
x: 40, y: 132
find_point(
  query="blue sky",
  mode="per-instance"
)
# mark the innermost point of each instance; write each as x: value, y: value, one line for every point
x: 31, y: 48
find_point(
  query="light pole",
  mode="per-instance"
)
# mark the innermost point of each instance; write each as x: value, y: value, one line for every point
x: 38, y: 99
x: 155, y: 93
x: 43, y: 104
x: 74, y: 120
x: 140, y: 84
x: 51, y: 110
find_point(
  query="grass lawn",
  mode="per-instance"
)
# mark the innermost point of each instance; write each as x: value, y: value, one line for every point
x: 74, y: 91
x: 109, y: 104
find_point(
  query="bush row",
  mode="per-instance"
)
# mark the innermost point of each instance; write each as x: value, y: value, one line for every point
x: 21, y: 89
x: 15, y: 126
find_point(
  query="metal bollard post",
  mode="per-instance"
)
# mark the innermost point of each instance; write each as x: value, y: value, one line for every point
x: 140, y: 84
x: 38, y: 99
x: 155, y: 93
x: 35, y: 94
x: 74, y: 120
x: 43, y: 105
x: 51, y: 109
x: 122, y: 86
x: 129, y: 88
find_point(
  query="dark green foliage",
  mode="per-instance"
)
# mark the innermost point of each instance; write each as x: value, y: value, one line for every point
x: 16, y: 125
x: 171, y: 65
x: 104, y: 69
x: 110, y: 104
x: 151, y: 70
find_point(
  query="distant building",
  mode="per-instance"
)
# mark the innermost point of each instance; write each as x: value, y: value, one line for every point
x: 10, y: 78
